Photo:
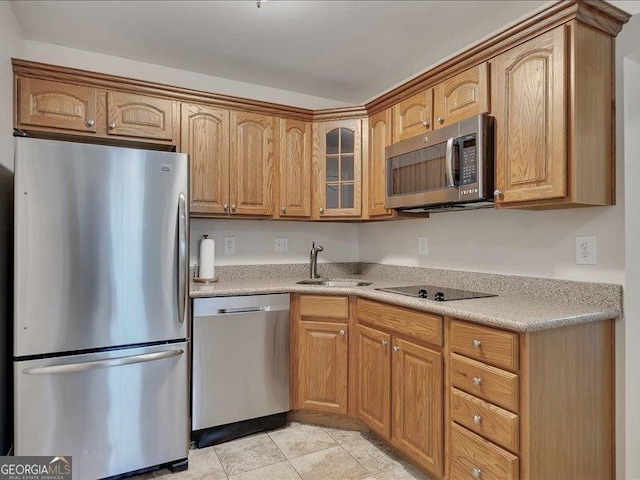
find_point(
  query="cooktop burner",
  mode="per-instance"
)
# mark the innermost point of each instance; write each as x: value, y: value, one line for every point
x: 432, y: 292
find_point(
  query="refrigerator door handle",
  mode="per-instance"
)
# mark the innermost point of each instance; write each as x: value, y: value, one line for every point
x: 95, y: 364
x: 182, y: 259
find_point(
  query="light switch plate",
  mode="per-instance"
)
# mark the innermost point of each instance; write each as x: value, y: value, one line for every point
x: 229, y: 245
x: 423, y: 246
x: 282, y: 244
x: 586, y: 250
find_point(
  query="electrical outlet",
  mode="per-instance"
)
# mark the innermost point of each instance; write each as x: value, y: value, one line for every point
x: 423, y: 246
x: 586, y: 250
x: 229, y: 245
x: 282, y: 244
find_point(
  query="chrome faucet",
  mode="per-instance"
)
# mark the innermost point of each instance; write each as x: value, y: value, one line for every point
x: 313, y: 265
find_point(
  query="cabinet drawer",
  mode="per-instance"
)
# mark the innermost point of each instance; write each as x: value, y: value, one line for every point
x: 474, y: 457
x: 490, y: 383
x: 496, y: 347
x: 324, y: 306
x: 494, y: 423
x: 418, y: 325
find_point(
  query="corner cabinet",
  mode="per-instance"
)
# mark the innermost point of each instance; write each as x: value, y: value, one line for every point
x: 380, y: 131
x: 553, y: 109
x: 337, y: 163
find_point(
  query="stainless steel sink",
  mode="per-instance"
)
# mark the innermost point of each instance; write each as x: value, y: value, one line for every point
x: 328, y: 282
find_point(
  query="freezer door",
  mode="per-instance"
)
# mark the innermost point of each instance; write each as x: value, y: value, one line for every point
x: 100, y: 246
x: 113, y: 412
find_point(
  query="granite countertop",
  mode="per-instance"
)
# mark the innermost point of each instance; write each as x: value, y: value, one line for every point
x: 513, y: 312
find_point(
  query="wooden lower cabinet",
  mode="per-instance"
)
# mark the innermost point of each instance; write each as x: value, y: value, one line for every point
x: 400, y: 386
x: 417, y: 404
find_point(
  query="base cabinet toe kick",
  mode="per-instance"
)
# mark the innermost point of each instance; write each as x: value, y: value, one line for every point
x: 458, y: 399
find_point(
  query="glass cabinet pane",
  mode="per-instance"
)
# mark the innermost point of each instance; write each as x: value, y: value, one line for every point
x: 346, y: 140
x: 347, y: 195
x: 346, y: 168
x: 332, y: 196
x: 332, y: 169
x: 332, y: 142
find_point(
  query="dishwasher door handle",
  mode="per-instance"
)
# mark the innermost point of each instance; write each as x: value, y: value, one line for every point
x: 275, y: 308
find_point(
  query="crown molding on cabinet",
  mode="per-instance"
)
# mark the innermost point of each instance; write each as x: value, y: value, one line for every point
x: 339, y: 114
x: 594, y: 13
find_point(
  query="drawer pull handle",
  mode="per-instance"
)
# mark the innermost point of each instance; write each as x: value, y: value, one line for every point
x: 477, y: 380
x: 477, y: 419
x: 476, y: 473
x: 476, y: 343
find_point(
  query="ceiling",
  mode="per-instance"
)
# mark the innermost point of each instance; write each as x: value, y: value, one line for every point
x: 348, y: 51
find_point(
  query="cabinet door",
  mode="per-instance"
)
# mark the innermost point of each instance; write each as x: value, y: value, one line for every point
x: 374, y: 379
x: 205, y: 137
x: 462, y: 96
x: 57, y: 105
x: 322, y: 381
x: 412, y: 116
x: 295, y: 168
x: 530, y: 110
x: 337, y: 169
x: 379, y: 139
x: 133, y: 115
x: 252, y: 162
x: 417, y: 403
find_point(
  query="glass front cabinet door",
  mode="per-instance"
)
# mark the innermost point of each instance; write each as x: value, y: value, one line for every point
x: 338, y: 161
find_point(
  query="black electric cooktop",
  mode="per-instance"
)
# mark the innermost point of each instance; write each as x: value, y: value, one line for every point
x: 432, y: 292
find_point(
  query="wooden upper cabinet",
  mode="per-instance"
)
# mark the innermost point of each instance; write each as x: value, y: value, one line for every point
x: 461, y: 96
x: 374, y: 379
x: 205, y: 137
x: 380, y: 129
x: 337, y: 163
x: 417, y: 426
x: 322, y: 366
x: 294, y: 169
x: 530, y: 109
x: 140, y: 116
x: 412, y: 116
x: 56, y: 105
x: 252, y: 163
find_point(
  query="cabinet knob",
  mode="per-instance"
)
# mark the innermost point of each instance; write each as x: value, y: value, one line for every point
x: 233, y: 208
x: 225, y: 207
x: 112, y: 126
x: 396, y: 348
x: 477, y: 419
x: 384, y: 343
x: 426, y: 140
x: 497, y: 193
x: 91, y: 123
x: 321, y: 210
x: 426, y: 124
x: 476, y: 380
x: 342, y: 332
x: 476, y: 473
x: 283, y: 210
x: 476, y: 343
x: 440, y: 120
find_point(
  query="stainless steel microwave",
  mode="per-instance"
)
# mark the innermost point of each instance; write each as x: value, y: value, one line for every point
x: 447, y: 169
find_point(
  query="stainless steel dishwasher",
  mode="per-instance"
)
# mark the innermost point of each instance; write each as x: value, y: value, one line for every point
x: 240, y: 366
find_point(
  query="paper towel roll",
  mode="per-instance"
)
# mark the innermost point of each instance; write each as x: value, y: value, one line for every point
x: 206, y: 261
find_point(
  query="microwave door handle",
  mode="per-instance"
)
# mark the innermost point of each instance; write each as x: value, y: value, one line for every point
x: 449, y: 164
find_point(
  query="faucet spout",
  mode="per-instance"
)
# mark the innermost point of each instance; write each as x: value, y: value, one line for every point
x: 313, y: 260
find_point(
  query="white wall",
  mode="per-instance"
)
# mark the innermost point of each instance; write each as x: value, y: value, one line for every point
x: 255, y: 241
x: 97, y: 62
x: 11, y: 45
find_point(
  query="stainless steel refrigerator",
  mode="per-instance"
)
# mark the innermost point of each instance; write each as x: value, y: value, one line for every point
x: 100, y: 343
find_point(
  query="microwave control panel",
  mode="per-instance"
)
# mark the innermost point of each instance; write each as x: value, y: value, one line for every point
x: 468, y: 160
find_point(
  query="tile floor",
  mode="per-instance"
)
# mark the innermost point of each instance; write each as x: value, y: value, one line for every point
x: 297, y: 452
